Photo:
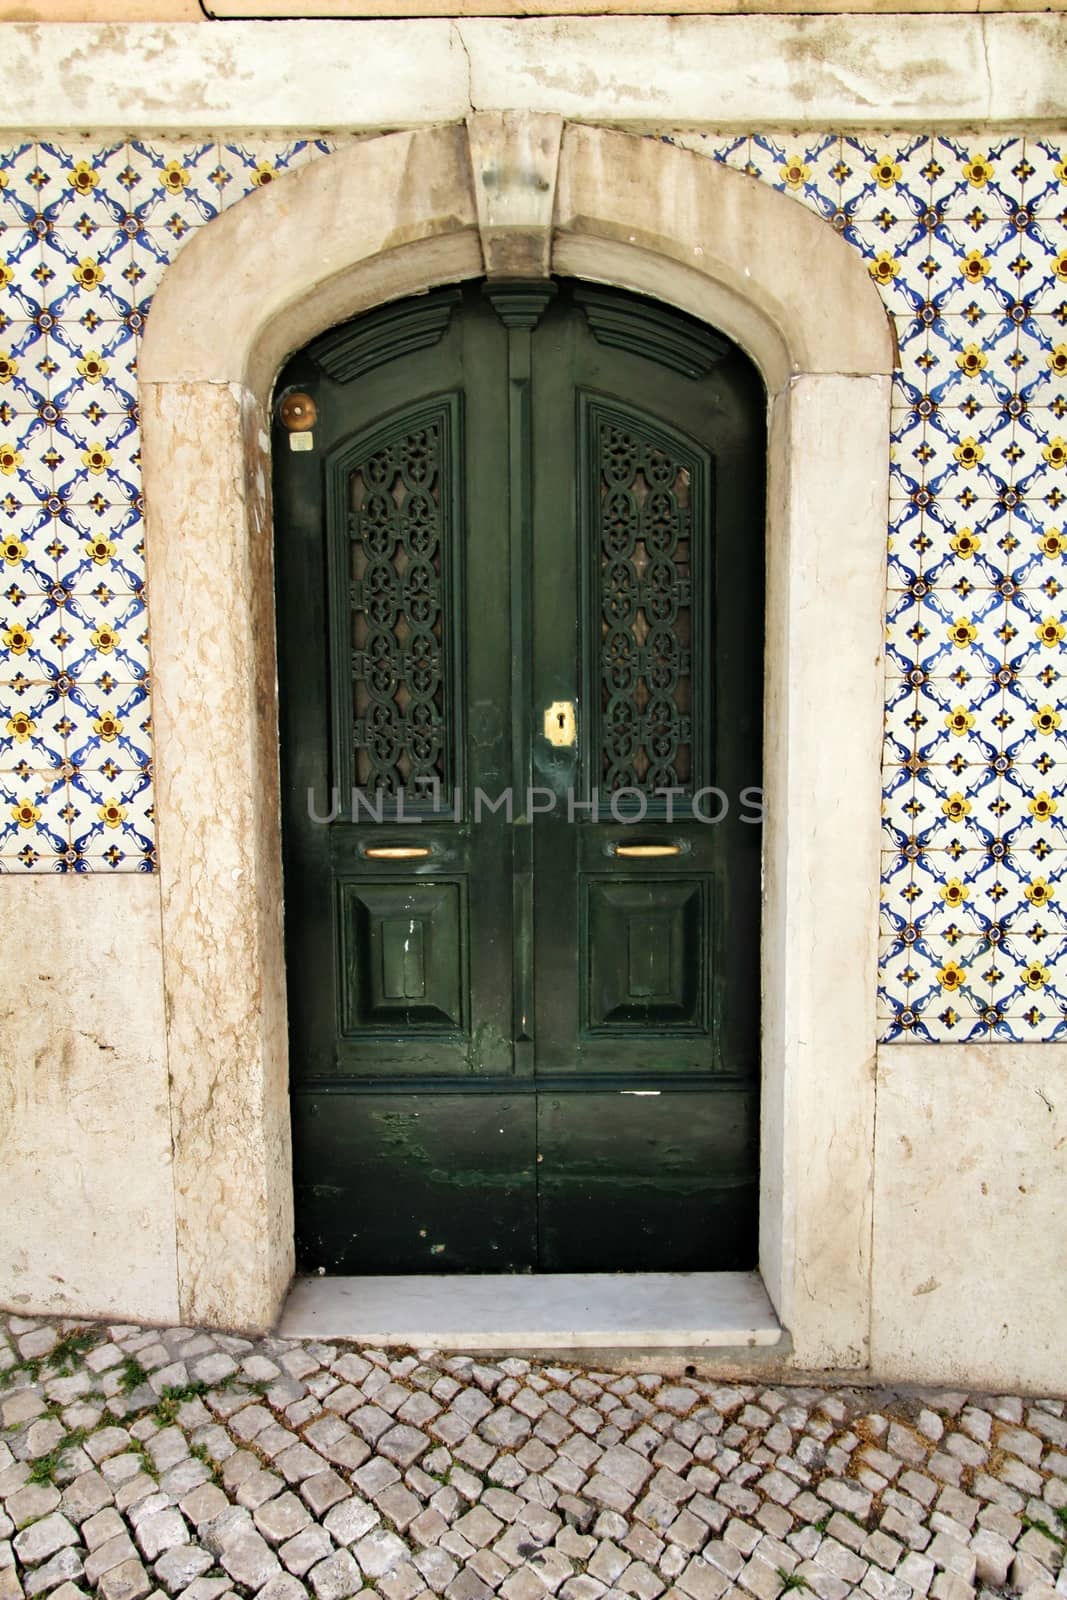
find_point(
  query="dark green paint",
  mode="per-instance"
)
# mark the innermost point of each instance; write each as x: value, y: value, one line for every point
x: 521, y: 1052
x: 665, y: 336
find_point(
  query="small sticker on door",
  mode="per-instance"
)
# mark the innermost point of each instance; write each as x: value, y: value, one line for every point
x: 301, y: 441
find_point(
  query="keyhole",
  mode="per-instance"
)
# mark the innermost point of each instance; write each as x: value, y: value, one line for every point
x: 560, y: 720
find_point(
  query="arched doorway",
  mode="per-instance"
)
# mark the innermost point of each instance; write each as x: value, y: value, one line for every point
x: 520, y: 629
x: 437, y: 206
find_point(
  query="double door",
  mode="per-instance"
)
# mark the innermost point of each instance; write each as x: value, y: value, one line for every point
x: 519, y: 590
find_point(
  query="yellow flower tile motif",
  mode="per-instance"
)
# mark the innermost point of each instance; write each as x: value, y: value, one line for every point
x: 97, y: 459
x: 174, y: 178
x: 964, y: 544
x: 975, y: 266
x: 83, y: 178
x: 100, y: 550
x: 883, y: 269
x: 88, y: 274
x: 104, y: 639
x: 17, y: 640
x: 92, y: 367
x: 886, y: 172
x: 969, y: 452
x: 978, y: 171
x: 112, y: 813
x: 26, y: 814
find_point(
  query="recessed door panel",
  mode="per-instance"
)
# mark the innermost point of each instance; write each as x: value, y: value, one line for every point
x: 646, y: 955
x: 663, y: 1180
x: 519, y: 573
x: 403, y: 957
x: 425, y: 1182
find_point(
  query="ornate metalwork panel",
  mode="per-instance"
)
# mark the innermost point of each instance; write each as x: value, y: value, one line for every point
x: 399, y: 492
x: 648, y: 509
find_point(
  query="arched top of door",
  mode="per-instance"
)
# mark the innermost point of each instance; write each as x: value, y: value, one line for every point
x: 512, y: 196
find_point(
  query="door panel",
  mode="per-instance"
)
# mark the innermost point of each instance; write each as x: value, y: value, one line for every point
x: 524, y: 1026
x: 415, y: 1182
x: 658, y: 1178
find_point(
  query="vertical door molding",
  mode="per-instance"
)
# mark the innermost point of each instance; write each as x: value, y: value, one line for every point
x: 300, y: 256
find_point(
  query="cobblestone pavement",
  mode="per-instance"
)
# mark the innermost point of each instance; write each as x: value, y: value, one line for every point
x: 145, y: 1462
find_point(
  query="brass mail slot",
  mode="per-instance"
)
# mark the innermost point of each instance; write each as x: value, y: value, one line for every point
x: 647, y: 850
x: 396, y: 852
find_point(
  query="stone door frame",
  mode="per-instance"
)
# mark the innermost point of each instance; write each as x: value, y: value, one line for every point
x: 390, y: 216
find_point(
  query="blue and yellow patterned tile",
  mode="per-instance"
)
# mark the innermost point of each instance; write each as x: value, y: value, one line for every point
x: 885, y: 172
x: 1032, y: 969
x: 100, y: 553
x: 105, y: 633
x: 17, y: 201
x: 29, y: 741
x: 115, y: 819
x: 83, y: 182
x: 172, y: 179
x: 109, y: 723
x: 731, y: 150
x: 978, y: 174
x: 801, y: 165
x: 35, y: 812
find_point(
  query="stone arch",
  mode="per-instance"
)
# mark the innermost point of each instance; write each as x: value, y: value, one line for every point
x: 387, y: 217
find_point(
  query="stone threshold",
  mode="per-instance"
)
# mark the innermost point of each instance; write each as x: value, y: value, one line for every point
x: 728, y: 1313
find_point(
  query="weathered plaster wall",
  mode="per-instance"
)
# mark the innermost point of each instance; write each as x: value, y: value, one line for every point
x: 729, y: 72
x: 86, y: 1195
x: 968, y: 1284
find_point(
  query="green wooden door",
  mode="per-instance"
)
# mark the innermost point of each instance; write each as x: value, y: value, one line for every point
x: 519, y: 574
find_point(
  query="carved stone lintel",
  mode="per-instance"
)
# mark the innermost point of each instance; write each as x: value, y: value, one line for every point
x: 515, y: 159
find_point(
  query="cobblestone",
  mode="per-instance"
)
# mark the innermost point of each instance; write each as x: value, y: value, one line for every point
x: 282, y: 1469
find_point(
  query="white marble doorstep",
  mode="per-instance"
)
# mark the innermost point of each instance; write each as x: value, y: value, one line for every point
x: 550, y: 1311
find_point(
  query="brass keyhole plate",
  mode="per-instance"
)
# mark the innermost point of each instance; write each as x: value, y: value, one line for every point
x: 561, y: 724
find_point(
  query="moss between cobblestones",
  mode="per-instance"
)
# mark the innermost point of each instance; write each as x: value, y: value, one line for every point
x: 736, y: 1424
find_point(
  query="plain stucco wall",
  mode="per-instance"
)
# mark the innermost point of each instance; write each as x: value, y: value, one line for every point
x: 86, y: 1194
x: 970, y: 1198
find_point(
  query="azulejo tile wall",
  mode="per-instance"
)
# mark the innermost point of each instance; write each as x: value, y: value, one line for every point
x: 967, y: 242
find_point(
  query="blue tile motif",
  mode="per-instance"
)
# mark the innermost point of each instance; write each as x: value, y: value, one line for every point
x: 967, y: 242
